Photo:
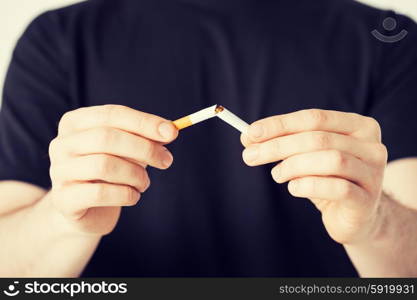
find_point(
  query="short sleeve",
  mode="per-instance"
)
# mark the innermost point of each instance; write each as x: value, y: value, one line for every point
x: 395, y: 90
x: 34, y: 98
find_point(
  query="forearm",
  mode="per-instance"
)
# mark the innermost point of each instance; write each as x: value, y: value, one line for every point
x: 37, y: 241
x: 389, y: 251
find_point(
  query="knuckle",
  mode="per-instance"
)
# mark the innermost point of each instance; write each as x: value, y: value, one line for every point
x: 373, y: 125
x: 346, y: 189
x: 66, y: 116
x: 53, y: 147
x: 315, y: 117
x: 99, y: 192
x: 131, y: 196
x: 105, y: 137
x: 141, y: 123
x: 321, y: 140
x: 135, y: 172
x: 147, y: 182
x: 276, y: 147
x: 148, y: 149
x: 338, y: 159
x: 143, y: 179
x: 53, y: 174
x: 381, y: 153
x: 106, y: 112
x: 282, y: 124
x: 105, y: 165
x: 65, y: 120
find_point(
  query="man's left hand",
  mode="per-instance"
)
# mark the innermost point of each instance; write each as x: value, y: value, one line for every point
x: 333, y: 158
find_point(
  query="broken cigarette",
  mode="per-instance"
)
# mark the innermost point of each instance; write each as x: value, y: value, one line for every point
x: 210, y: 112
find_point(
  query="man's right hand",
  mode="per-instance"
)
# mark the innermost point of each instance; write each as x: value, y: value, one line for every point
x: 99, y: 160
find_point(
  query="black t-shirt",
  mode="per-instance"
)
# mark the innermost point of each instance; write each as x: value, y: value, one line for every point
x: 209, y: 214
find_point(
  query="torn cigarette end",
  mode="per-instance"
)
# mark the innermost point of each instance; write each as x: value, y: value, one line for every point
x: 219, y: 109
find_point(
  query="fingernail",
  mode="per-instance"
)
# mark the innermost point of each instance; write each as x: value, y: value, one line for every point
x: 167, y: 159
x: 293, y: 185
x: 148, y: 184
x: 166, y: 130
x: 276, y: 174
x: 256, y: 130
x: 251, y: 153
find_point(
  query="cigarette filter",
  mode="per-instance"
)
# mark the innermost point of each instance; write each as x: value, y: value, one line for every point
x: 196, y: 117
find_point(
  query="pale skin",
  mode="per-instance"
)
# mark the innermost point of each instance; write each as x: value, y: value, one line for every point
x: 99, y: 161
x: 98, y: 165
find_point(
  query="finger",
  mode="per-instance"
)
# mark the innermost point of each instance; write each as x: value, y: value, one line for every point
x: 74, y: 200
x: 245, y: 140
x: 353, y: 124
x: 101, y: 167
x: 114, y: 142
x: 121, y: 117
x: 329, y: 189
x: 285, y: 146
x: 323, y: 163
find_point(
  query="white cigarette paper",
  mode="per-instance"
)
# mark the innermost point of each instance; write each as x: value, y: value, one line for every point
x: 203, y: 114
x: 233, y: 120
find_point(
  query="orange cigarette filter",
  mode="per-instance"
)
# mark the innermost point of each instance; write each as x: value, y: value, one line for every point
x: 196, y: 117
x: 183, y: 123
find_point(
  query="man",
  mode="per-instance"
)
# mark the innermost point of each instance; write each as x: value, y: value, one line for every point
x: 97, y: 84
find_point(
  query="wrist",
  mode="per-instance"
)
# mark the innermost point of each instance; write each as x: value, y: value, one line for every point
x: 59, y: 226
x: 378, y: 229
x: 374, y: 229
x: 43, y: 243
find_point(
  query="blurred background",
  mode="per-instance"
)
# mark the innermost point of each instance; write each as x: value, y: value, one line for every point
x: 16, y: 14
